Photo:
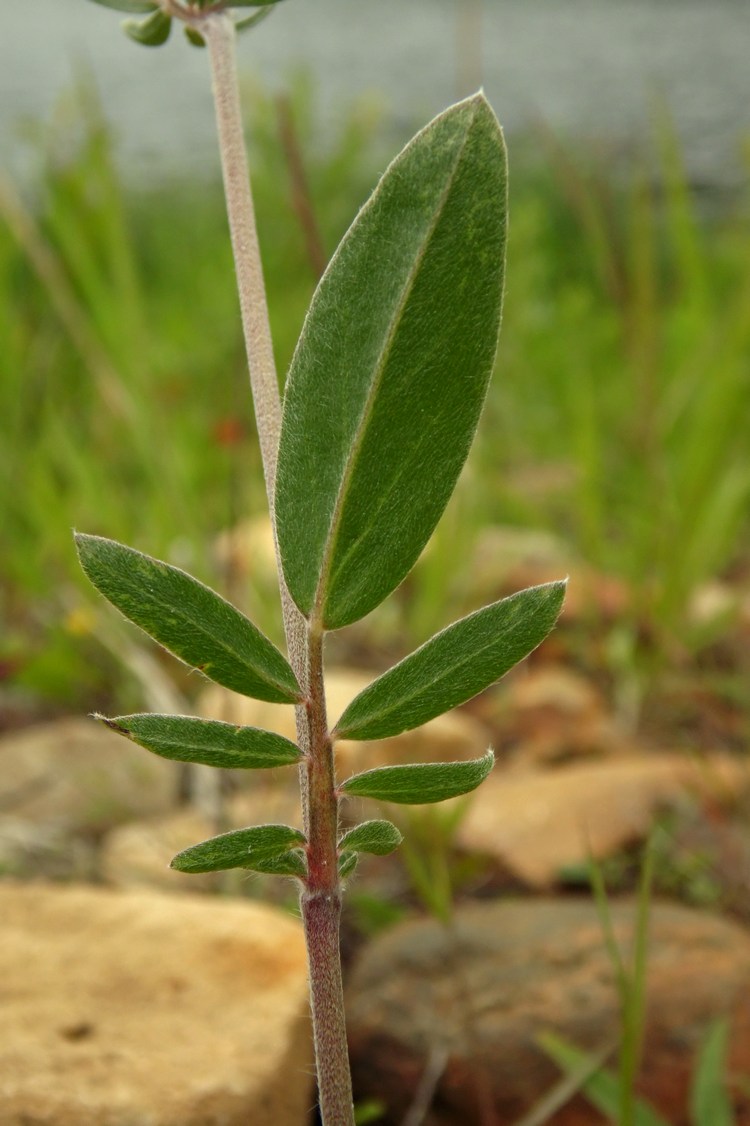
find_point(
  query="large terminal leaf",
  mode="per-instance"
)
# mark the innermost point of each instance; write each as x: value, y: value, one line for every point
x: 391, y: 370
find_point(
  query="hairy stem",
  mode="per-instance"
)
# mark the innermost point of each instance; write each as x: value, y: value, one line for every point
x: 321, y: 897
x: 218, y: 32
x: 320, y: 780
x: 321, y: 915
x: 321, y: 907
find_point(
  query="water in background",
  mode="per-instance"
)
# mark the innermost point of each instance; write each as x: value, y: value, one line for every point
x: 586, y: 67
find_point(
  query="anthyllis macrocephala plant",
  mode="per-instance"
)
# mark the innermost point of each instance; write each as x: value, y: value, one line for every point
x: 380, y: 407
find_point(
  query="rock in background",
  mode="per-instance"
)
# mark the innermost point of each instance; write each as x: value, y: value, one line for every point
x: 474, y: 996
x: 138, y: 854
x: 537, y: 823
x: 63, y: 784
x: 455, y: 735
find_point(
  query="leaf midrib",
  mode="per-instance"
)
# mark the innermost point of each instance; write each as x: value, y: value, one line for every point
x: 454, y: 668
x: 220, y: 643
x: 217, y: 748
x: 379, y: 370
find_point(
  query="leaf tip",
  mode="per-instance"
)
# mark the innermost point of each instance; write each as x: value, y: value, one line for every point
x: 113, y: 724
x: 560, y: 587
x: 478, y: 102
x: 84, y: 542
x: 555, y: 589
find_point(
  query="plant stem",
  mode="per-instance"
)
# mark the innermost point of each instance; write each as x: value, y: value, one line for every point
x: 218, y: 31
x: 321, y: 915
x: 321, y: 896
x: 322, y: 862
x: 321, y: 907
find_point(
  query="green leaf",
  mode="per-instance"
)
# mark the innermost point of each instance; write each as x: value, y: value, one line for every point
x: 242, y: 848
x: 391, y: 369
x: 189, y: 619
x: 347, y: 863
x: 602, y: 1089
x: 291, y: 863
x: 377, y: 837
x: 421, y: 783
x: 251, y: 21
x: 151, y: 32
x: 370, y: 1111
x: 194, y: 37
x: 134, y: 7
x: 709, y: 1103
x: 253, y: 3
x: 208, y: 741
x: 453, y: 666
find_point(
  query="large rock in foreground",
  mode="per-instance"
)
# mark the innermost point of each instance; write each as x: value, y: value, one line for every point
x: 467, y: 1003
x: 140, y: 1009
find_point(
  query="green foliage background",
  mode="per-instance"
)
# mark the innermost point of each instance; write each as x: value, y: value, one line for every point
x: 618, y: 417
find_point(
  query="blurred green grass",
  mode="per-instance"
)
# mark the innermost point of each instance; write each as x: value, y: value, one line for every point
x: 618, y: 419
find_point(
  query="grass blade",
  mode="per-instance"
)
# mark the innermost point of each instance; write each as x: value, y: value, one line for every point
x: 602, y: 1089
x: 709, y: 1103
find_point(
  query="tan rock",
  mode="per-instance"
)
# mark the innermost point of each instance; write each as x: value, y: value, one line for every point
x: 246, y: 552
x: 248, y: 549
x: 138, y: 854
x: 452, y: 736
x: 501, y: 550
x: 474, y: 996
x: 138, y: 1009
x: 508, y: 558
x: 455, y: 735
x: 556, y: 689
x: 77, y: 774
x: 538, y: 823
x: 713, y: 602
x: 548, y: 712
